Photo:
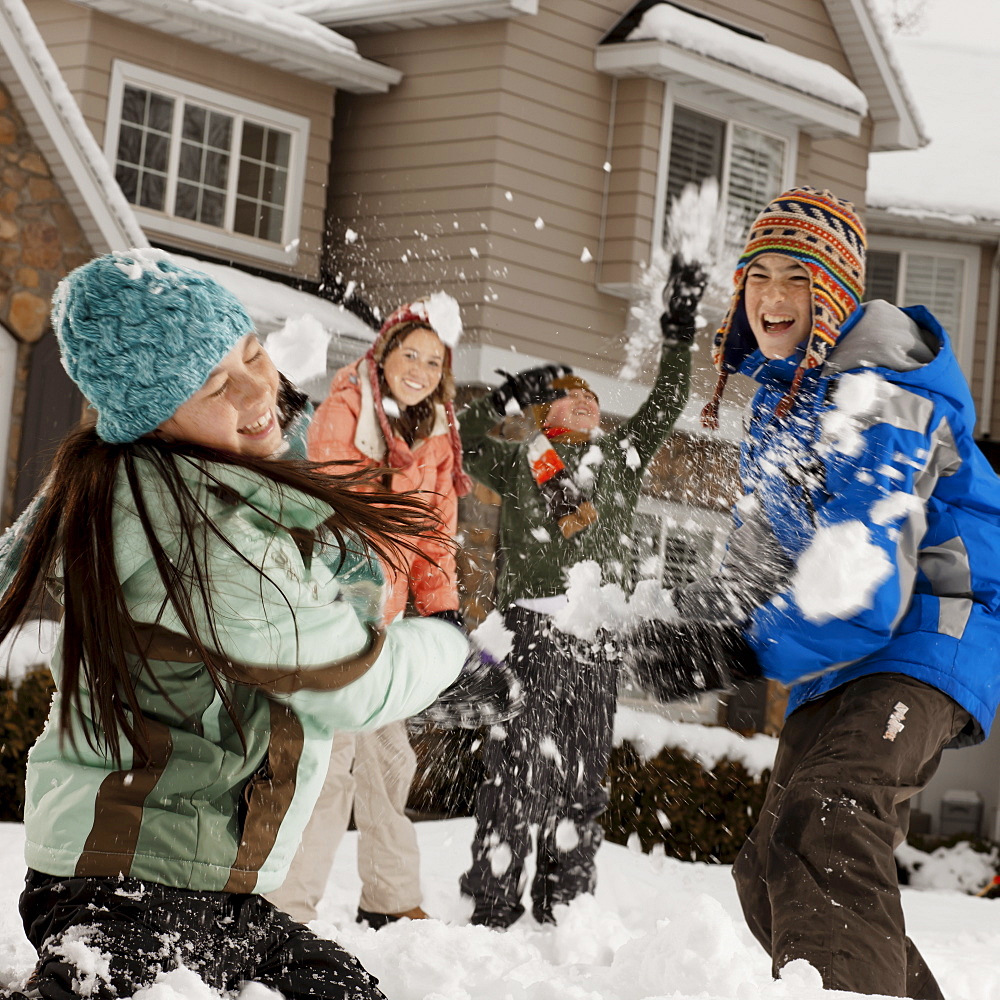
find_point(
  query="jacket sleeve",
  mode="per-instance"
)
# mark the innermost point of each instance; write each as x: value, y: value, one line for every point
x: 433, y: 574
x: 850, y: 516
x: 651, y: 424
x: 489, y: 459
x: 331, y: 432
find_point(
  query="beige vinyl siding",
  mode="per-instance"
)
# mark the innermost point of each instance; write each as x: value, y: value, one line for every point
x: 484, y: 110
x: 85, y: 45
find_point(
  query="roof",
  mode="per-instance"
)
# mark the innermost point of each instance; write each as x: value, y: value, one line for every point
x: 400, y: 15
x: 56, y: 126
x: 261, y: 32
x: 672, y: 43
x: 670, y: 40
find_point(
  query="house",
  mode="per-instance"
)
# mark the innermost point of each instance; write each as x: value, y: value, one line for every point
x: 203, y: 129
x: 934, y: 222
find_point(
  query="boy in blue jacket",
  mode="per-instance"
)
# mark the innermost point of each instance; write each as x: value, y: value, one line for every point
x: 864, y: 564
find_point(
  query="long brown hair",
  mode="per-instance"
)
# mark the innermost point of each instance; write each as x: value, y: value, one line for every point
x: 72, y: 547
x: 415, y: 422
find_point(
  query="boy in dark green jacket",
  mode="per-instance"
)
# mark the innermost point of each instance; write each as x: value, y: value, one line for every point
x: 568, y: 495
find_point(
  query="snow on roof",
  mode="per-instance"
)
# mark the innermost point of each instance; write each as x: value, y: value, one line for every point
x: 666, y: 23
x: 953, y: 178
x: 271, y: 304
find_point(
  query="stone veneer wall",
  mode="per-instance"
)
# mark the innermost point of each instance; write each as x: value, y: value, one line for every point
x: 40, y: 242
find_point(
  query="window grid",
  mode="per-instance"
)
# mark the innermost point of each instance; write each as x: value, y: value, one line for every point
x: 188, y: 169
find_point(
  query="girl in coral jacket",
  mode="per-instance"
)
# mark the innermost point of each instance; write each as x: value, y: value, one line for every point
x: 392, y: 408
x: 222, y: 620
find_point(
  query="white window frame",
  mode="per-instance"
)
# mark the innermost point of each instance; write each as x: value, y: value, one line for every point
x: 964, y: 338
x: 692, y: 97
x: 285, y: 252
x: 685, y: 518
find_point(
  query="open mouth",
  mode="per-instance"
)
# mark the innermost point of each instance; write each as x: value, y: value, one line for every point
x: 414, y: 386
x: 776, y: 323
x: 261, y: 427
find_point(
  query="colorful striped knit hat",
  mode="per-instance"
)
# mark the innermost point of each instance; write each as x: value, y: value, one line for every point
x: 825, y: 235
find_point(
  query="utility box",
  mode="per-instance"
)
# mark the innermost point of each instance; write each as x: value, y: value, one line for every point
x: 961, y: 812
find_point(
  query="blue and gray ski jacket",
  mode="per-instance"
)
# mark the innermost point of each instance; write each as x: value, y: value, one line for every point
x: 868, y: 538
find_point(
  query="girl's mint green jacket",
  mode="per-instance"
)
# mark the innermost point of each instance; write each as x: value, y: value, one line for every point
x: 201, y: 813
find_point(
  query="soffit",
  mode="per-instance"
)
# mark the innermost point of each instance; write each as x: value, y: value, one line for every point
x: 309, y: 54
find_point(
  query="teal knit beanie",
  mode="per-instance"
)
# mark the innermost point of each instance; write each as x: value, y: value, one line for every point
x: 140, y: 334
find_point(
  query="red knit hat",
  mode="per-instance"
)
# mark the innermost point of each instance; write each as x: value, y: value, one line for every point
x: 438, y: 313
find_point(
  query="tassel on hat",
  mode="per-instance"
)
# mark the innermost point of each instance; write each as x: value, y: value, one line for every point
x: 439, y: 312
x: 825, y: 235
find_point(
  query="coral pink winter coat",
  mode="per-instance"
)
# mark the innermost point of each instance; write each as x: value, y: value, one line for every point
x: 345, y: 428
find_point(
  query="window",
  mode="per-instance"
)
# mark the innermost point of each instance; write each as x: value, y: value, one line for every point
x: 749, y: 163
x: 676, y: 544
x: 941, y: 276
x: 196, y: 161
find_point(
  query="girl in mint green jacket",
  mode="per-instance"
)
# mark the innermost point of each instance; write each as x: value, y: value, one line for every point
x: 220, y: 624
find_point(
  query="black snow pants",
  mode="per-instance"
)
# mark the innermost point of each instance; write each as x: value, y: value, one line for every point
x: 546, y: 767
x: 143, y: 929
x: 817, y: 876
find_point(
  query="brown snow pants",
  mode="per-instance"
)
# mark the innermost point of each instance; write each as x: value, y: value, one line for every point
x: 817, y: 876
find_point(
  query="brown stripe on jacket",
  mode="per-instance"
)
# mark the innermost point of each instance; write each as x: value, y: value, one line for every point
x: 266, y: 798
x: 158, y: 643
x: 118, y: 809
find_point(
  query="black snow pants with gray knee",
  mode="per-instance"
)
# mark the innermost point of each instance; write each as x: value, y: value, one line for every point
x: 547, y: 767
x: 817, y: 876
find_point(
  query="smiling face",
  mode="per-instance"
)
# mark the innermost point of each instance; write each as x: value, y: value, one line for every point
x: 414, y: 367
x: 578, y: 410
x: 777, y: 297
x: 236, y: 410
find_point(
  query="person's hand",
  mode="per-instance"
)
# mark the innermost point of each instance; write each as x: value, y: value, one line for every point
x: 681, y: 295
x: 527, y: 388
x: 485, y: 693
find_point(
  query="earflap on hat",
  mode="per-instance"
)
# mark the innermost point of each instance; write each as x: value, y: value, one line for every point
x: 825, y: 235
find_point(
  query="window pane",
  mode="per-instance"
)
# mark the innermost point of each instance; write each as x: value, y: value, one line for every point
x: 936, y: 282
x: 161, y: 112
x: 220, y: 131
x: 696, y: 147
x: 156, y: 152
x: 189, y: 163
x: 129, y: 144
x: 249, y: 180
x: 153, y: 189
x: 186, y: 201
x: 882, y: 276
x: 755, y: 172
x: 134, y: 105
x: 271, y: 219
x: 245, y: 217
x: 278, y: 145
x: 216, y: 168
x: 213, y: 208
x: 253, y: 141
x: 273, y: 189
x: 194, y: 123
x: 128, y: 181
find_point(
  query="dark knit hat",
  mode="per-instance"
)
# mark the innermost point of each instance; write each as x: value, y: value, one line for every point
x: 825, y: 235
x: 438, y: 309
x: 567, y: 383
x: 140, y: 335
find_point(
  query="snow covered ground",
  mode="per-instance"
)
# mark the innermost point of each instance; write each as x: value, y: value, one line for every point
x: 657, y: 928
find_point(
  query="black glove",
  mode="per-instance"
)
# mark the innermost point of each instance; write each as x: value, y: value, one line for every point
x: 485, y: 693
x: 533, y: 385
x: 453, y: 617
x: 673, y: 660
x: 681, y: 295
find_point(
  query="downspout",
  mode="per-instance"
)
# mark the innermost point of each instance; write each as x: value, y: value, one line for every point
x: 607, y: 181
x: 986, y: 411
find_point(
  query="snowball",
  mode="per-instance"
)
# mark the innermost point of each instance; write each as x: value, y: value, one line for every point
x: 299, y: 348
x: 493, y: 636
x: 445, y: 318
